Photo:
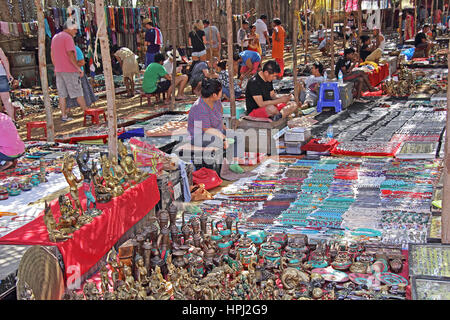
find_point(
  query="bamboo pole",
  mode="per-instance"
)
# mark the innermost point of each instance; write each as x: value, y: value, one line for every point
x: 306, y: 6
x: 400, y: 17
x: 359, y: 25
x: 174, y: 52
x: 240, y: 21
x: 415, y: 14
x: 294, y: 49
x: 445, y: 229
x: 109, y: 83
x: 233, y: 121
x: 332, y: 37
x: 432, y: 13
x: 43, y: 72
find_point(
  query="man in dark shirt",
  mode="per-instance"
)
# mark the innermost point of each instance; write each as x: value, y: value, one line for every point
x: 360, y: 78
x: 366, y: 49
x: 261, y: 99
x: 151, y: 35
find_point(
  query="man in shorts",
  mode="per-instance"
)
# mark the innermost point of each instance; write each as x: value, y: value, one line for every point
x: 67, y: 72
x: 260, y: 97
x: 154, y: 72
x: 213, y: 41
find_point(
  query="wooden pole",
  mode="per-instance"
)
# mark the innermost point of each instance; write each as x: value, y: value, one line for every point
x: 415, y: 14
x: 400, y: 18
x: 240, y: 22
x: 332, y: 37
x: 359, y: 25
x: 230, y: 63
x: 432, y: 13
x: 294, y: 48
x: 43, y: 72
x: 445, y: 229
x: 306, y: 6
x: 174, y: 24
x: 109, y: 83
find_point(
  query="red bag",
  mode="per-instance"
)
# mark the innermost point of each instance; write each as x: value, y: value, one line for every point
x: 208, y: 177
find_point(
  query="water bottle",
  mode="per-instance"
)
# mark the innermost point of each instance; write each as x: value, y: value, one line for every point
x: 330, y: 132
x: 325, y: 76
x: 340, y: 78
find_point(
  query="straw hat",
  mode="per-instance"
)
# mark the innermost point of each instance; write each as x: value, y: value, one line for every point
x: 40, y: 270
x: 170, y: 55
x: 146, y: 21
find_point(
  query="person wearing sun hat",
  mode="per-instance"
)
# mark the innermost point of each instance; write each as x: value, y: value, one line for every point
x: 180, y: 79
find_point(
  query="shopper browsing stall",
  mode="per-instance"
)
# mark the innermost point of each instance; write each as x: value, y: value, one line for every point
x: 153, y: 41
x: 11, y: 146
x: 242, y: 38
x: 200, y: 71
x: 67, y: 71
x: 88, y: 93
x: 263, y: 32
x: 248, y: 62
x: 197, y: 40
x: 213, y: 41
x: 261, y: 99
x: 130, y: 67
x: 278, y: 36
x: 152, y: 76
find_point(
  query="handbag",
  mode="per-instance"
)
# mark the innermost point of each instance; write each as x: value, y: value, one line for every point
x: 208, y: 177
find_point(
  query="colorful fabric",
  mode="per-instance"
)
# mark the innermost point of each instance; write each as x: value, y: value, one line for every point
x: 278, y: 45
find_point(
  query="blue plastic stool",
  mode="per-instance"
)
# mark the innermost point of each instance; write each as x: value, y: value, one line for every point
x: 329, y: 97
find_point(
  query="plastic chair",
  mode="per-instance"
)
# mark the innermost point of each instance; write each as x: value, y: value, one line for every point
x: 95, y: 114
x: 329, y: 89
x: 36, y: 124
x: 150, y: 95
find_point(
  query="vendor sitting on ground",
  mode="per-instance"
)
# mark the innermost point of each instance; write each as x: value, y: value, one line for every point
x: 261, y: 99
x: 11, y: 146
x: 248, y: 61
x: 423, y: 46
x: 130, y: 67
x: 309, y: 89
x: 199, y: 71
x: 366, y: 48
x: 324, y: 46
x: 378, y: 46
x: 427, y: 30
x: 224, y: 79
x: 206, y: 127
x: 180, y: 79
x: 154, y: 72
x: 360, y: 78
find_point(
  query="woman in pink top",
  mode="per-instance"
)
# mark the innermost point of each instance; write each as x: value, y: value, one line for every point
x: 11, y: 146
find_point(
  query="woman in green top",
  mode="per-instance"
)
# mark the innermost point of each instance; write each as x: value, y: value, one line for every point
x: 154, y: 72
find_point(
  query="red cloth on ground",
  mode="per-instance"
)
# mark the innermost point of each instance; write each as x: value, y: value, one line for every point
x: 90, y: 243
x: 312, y: 145
x: 262, y: 113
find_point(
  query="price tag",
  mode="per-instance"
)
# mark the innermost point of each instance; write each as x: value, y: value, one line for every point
x: 177, y: 191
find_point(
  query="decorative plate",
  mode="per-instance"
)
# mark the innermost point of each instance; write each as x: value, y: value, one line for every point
x: 330, y: 274
x: 361, y: 278
x: 391, y: 278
